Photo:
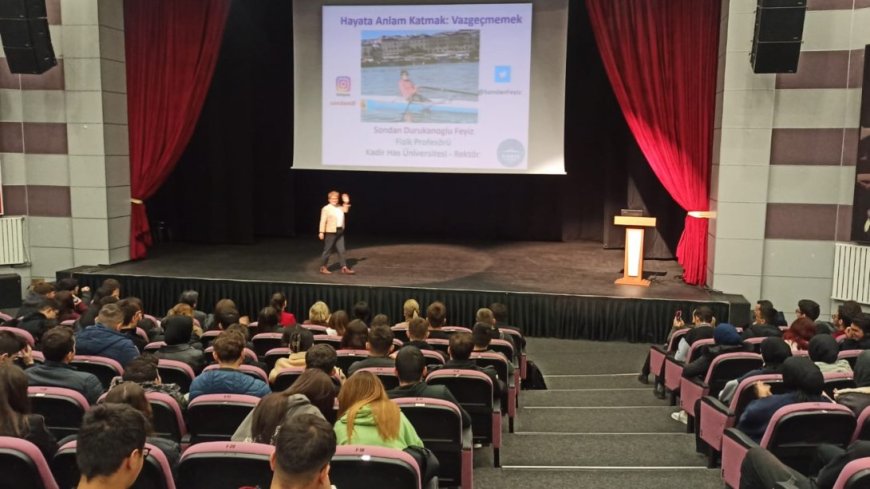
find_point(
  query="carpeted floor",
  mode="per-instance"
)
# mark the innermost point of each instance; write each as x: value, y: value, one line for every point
x: 597, y: 427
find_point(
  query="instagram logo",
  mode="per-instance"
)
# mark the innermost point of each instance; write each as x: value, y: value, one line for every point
x: 342, y: 84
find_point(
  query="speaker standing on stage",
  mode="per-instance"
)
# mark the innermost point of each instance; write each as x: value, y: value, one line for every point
x: 332, y: 230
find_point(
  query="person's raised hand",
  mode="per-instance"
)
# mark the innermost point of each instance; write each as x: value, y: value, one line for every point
x: 345, y: 198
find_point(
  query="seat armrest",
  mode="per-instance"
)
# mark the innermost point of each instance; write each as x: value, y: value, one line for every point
x: 739, y: 437
x: 467, y: 438
x: 718, y: 405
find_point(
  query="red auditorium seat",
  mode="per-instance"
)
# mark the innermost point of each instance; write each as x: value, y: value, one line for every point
x: 433, y: 357
x: 400, y: 332
x: 500, y: 364
x: 855, y: 475
x: 225, y: 464
x: 387, y: 375
x: 176, y: 372
x: 63, y: 409
x: 794, y: 433
x: 366, y: 467
x: 674, y: 369
x: 286, y: 377
x: 21, y: 333
x: 474, y: 391
x: 838, y: 380
x: 722, y: 369
x: 215, y: 417
x: 346, y: 358
x: 24, y: 466
x: 168, y: 419
x: 154, y: 346
x: 850, y: 356
x: 439, y: 424
x: 272, y: 356
x: 522, y: 355
x: 315, y: 328
x: 155, y: 474
x: 104, y: 368
x: 657, y: 355
x: 332, y: 340
x: 264, y: 342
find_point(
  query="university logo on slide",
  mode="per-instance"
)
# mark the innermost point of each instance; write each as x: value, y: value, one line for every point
x: 342, y: 85
x: 502, y: 74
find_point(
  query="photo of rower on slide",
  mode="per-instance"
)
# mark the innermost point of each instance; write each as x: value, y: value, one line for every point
x: 408, y: 89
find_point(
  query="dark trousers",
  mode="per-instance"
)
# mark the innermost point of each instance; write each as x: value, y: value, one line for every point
x: 333, y: 242
x: 762, y: 470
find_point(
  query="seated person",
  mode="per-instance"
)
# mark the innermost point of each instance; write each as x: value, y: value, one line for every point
x: 178, y: 335
x: 15, y: 350
x: 799, y: 334
x: 191, y: 298
x: 823, y: 350
x: 40, y: 320
x: 418, y: 333
x: 59, y: 349
x: 500, y: 313
x: 269, y: 321
x: 15, y: 417
x: 436, y: 316
x: 379, y: 346
x: 460, y: 349
x: 411, y: 369
x: 318, y: 314
x: 368, y: 417
x: 132, y: 313
x: 110, y: 447
x: 324, y: 358
x: 843, y: 318
x: 300, y: 340
x: 380, y: 320
x: 726, y: 340
x: 228, y: 353
x: 356, y: 335
x: 762, y: 470
x: 856, y: 334
x: 104, y: 339
x: 337, y: 323
x: 131, y: 394
x: 303, y: 448
x: 765, y: 322
x: 804, y: 382
x: 36, y: 293
x: 410, y: 310
x: 482, y: 336
x: 143, y: 371
x: 312, y: 393
x: 858, y: 397
x: 278, y: 302
x: 774, y: 351
x: 362, y: 311
x: 701, y: 329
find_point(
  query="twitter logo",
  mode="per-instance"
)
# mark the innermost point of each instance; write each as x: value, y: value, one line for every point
x: 502, y: 74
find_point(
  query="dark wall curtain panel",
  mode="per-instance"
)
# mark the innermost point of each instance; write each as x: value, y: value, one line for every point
x: 541, y: 315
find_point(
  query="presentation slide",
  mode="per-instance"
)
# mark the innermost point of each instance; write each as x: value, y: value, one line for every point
x: 429, y: 87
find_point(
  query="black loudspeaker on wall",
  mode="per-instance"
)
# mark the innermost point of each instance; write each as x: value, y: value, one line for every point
x: 26, y: 39
x: 10, y: 290
x: 779, y: 27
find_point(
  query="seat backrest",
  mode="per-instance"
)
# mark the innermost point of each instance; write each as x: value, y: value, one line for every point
x: 433, y: 357
x: 387, y: 375
x: 63, y: 409
x: 167, y: 416
x: 332, y: 340
x: 225, y: 464
x: 455, y: 329
x: 359, y: 466
x: 21, y: 333
x: 729, y: 366
x: 263, y: 342
x: 855, y: 475
x: 208, y: 337
x: 754, y: 343
x: 838, y: 380
x: 315, y: 328
x: 154, y: 346
x: 471, y: 388
x: 142, y: 334
x: 862, y: 425
x: 104, y: 368
x: 797, y: 429
x: 437, y: 422
x: 286, y: 377
x: 504, y: 347
x: 438, y: 344
x: 153, y: 319
x: 176, y: 372
x: 400, y: 332
x: 272, y: 356
x: 675, y: 339
x: 215, y: 417
x: 850, y: 356
x: 5, y: 317
x: 346, y: 358
x: 492, y: 359
x: 253, y: 371
x: 24, y: 466
x: 156, y: 472
x: 697, y: 348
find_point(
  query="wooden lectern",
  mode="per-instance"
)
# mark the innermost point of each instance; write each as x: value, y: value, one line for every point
x: 634, y: 230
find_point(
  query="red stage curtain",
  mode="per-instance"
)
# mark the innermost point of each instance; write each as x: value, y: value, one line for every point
x: 661, y: 58
x: 172, y: 48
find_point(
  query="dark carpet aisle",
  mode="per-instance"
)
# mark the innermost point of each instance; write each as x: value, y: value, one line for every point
x: 595, y: 427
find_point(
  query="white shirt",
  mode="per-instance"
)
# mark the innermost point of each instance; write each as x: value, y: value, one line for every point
x: 339, y: 215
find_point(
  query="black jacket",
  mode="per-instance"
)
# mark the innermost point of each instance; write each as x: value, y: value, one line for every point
x: 701, y: 365
x: 36, y: 324
x: 759, y: 330
x: 183, y: 353
x: 58, y: 374
x: 850, y: 344
x: 422, y: 389
x: 371, y: 362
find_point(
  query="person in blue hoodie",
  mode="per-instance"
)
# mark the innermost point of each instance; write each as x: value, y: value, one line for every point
x: 228, y: 379
x: 104, y: 339
x: 804, y: 382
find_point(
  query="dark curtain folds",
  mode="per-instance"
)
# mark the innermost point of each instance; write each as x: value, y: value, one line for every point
x: 660, y: 57
x: 171, y: 48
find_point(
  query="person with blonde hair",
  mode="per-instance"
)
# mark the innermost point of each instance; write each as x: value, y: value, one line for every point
x: 410, y: 310
x: 318, y: 314
x: 332, y: 231
x: 367, y: 416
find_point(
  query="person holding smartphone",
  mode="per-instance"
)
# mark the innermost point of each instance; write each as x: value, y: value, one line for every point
x: 332, y: 225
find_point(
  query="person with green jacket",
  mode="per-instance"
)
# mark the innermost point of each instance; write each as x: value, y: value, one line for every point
x: 367, y: 416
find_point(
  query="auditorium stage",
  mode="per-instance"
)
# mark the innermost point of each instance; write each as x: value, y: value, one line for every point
x: 561, y: 289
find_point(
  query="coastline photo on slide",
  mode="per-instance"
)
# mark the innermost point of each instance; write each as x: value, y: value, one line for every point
x: 428, y: 76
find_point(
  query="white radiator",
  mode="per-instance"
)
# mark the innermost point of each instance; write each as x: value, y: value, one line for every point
x: 851, y: 273
x: 12, y: 243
